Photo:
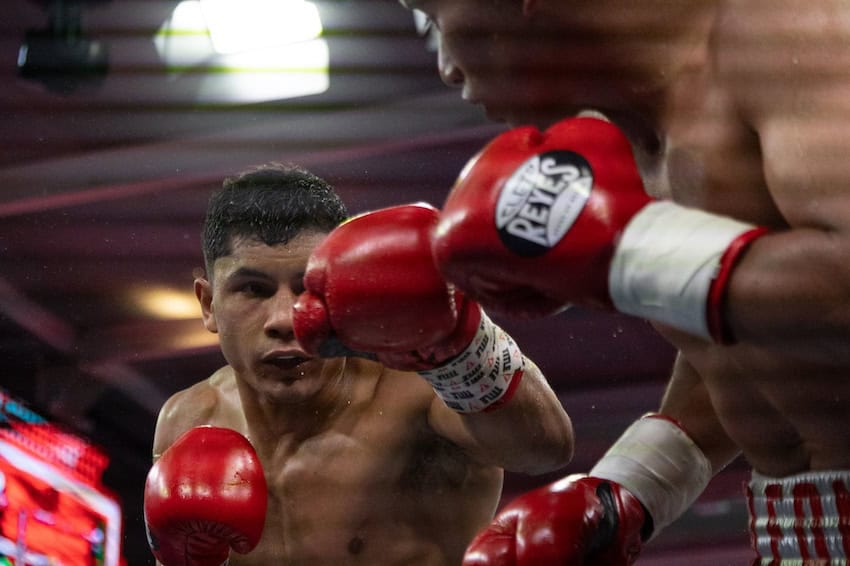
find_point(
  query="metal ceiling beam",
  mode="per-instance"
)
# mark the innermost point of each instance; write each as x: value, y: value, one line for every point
x: 157, y: 168
x: 35, y: 319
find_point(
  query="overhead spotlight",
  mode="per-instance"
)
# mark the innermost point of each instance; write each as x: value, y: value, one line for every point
x: 254, y: 24
x: 60, y: 56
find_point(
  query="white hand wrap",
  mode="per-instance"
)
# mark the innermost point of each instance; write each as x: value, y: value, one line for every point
x: 660, y: 465
x: 666, y: 261
x: 484, y: 375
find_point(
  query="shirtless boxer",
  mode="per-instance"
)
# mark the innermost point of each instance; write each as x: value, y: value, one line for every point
x: 739, y: 110
x: 363, y: 464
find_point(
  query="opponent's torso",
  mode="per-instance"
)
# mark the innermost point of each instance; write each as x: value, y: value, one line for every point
x: 779, y: 409
x: 375, y: 486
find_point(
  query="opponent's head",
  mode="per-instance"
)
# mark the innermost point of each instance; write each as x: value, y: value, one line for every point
x: 271, y: 204
x: 537, y: 61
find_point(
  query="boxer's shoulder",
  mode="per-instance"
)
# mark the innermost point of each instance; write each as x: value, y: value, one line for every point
x: 200, y: 404
x: 382, y: 395
x: 405, y: 389
x: 201, y: 401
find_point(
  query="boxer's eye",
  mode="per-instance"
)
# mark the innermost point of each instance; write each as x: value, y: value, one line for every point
x: 297, y: 284
x: 255, y: 289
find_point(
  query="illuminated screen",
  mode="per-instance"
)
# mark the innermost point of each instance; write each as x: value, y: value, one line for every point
x: 53, y: 508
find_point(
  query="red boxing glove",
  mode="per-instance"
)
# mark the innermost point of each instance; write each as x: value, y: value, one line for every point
x: 205, y: 495
x: 372, y: 286
x: 579, y: 520
x: 539, y: 221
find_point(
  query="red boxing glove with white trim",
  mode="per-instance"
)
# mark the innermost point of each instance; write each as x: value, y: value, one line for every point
x: 372, y: 286
x: 205, y: 495
x: 538, y: 221
x: 645, y: 481
x: 575, y: 521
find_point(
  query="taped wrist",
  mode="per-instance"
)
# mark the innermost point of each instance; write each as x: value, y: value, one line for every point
x: 658, y: 463
x: 483, y: 376
x: 672, y: 265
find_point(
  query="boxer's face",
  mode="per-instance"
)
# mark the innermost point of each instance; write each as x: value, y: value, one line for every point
x: 545, y: 63
x: 248, y: 304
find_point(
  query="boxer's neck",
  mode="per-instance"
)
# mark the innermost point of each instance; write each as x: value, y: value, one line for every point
x: 268, y: 419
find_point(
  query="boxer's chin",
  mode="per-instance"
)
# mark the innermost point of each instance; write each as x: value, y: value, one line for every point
x: 495, y: 115
x: 294, y: 387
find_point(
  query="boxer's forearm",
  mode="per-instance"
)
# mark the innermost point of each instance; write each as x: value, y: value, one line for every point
x: 531, y: 433
x: 789, y: 294
x: 687, y: 401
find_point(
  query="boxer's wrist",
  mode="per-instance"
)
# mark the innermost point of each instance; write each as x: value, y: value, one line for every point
x: 672, y: 265
x: 718, y: 325
x: 658, y: 462
x: 484, y: 375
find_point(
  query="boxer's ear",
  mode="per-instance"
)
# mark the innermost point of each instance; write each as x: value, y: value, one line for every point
x: 203, y: 291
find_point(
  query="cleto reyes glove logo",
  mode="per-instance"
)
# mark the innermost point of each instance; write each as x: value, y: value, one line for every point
x: 540, y: 201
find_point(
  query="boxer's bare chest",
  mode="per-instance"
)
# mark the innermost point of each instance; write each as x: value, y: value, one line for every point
x: 351, y: 495
x: 778, y: 409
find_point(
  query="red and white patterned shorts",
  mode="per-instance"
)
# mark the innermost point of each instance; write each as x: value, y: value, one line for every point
x: 800, y: 520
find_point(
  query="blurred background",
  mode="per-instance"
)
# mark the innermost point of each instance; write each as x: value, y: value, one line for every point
x: 117, y: 119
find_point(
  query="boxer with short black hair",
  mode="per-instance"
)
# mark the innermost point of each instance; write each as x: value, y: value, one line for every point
x: 292, y: 454
x: 707, y: 189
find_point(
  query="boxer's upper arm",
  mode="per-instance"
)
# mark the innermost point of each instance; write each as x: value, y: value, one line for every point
x: 794, y: 98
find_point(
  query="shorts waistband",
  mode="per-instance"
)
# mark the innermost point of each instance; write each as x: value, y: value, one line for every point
x: 800, y: 517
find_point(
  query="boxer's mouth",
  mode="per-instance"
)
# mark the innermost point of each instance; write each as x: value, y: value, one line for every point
x: 285, y: 361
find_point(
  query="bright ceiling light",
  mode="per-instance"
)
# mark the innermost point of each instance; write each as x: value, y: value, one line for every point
x: 168, y: 304
x: 274, y: 73
x: 286, y: 64
x: 183, y: 40
x: 243, y: 25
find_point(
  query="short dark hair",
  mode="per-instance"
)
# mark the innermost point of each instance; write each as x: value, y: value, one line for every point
x: 271, y: 203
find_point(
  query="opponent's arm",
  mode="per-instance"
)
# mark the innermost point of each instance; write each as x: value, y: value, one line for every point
x: 542, y: 220
x: 645, y: 481
x: 686, y: 401
x: 372, y: 286
x: 790, y: 291
x: 538, y: 221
